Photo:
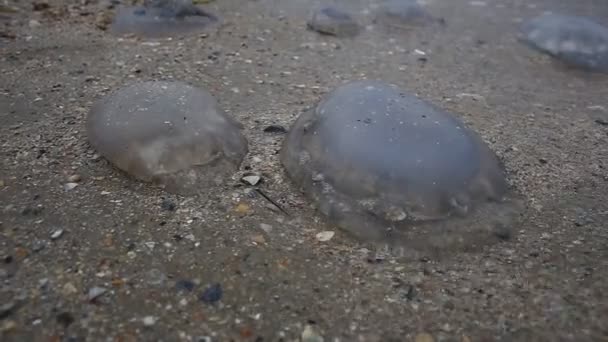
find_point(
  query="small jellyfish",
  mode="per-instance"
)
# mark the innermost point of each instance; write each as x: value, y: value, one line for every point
x: 402, y: 13
x: 159, y: 18
x: 388, y: 167
x: 168, y: 133
x: 574, y: 40
x: 333, y: 21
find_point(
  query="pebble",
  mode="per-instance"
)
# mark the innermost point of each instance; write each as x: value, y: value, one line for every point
x: 69, y: 289
x: 259, y: 239
x: 65, y: 319
x: 184, y: 285
x: 252, y: 179
x: 149, y: 321
x: 275, y: 129
x: 38, y: 246
x: 168, y: 205
x: 70, y: 186
x: 57, y: 234
x: 266, y: 227
x: 212, y: 294
x: 310, y: 335
x: 7, y: 309
x: 74, y: 178
x: 8, y: 326
x: 96, y: 292
x: 424, y: 337
x: 325, y: 236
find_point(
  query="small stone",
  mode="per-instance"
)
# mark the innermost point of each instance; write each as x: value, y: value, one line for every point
x: 310, y: 335
x: 149, y: 321
x: 7, y: 309
x: 275, y: 129
x: 70, y: 186
x: 65, y: 319
x: 333, y: 21
x: 34, y: 23
x: 243, y: 209
x: 325, y: 236
x: 212, y: 294
x: 168, y: 205
x: 74, y: 178
x: 424, y: 337
x: 184, y: 285
x: 2, y: 183
x: 57, y: 234
x: 465, y: 338
x: 96, y: 292
x: 259, y: 239
x: 252, y: 179
x: 69, y: 289
x: 38, y: 246
x: 155, y: 277
x: 8, y: 326
x: 266, y: 227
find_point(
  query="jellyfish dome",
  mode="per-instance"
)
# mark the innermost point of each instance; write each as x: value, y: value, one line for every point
x: 387, y: 166
x: 168, y: 133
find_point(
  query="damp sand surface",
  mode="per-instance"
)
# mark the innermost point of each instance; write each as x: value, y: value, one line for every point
x: 90, y: 254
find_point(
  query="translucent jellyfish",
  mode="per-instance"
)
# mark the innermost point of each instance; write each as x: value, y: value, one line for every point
x: 574, y: 40
x: 159, y: 18
x: 402, y: 13
x: 333, y: 21
x: 388, y: 167
x: 168, y: 133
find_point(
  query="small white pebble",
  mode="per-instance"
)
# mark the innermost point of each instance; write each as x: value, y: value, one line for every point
x: 149, y: 321
x: 56, y: 234
x: 325, y: 236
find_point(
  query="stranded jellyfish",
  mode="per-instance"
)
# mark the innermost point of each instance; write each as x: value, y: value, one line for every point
x: 402, y: 13
x: 333, y: 21
x: 574, y: 40
x: 158, y: 18
x: 168, y: 133
x: 391, y: 168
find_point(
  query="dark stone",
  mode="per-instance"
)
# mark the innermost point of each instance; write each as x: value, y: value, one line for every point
x: 212, y: 294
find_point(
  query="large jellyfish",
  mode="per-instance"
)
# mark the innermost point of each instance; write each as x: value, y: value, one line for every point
x: 168, y: 133
x: 389, y: 167
x: 577, y: 41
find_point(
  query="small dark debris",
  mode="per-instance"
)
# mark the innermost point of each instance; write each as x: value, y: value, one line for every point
x: 184, y: 286
x: 40, y: 6
x: 601, y: 122
x: 543, y: 161
x: 8, y: 259
x: 7, y: 309
x: 275, y: 129
x: 65, y: 319
x: 212, y: 294
x: 168, y: 204
x: 31, y: 211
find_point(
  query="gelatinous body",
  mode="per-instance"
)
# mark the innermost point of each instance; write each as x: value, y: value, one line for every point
x: 169, y: 133
x: 387, y: 166
x: 577, y: 41
x: 159, y: 18
x: 333, y: 21
x: 402, y: 13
